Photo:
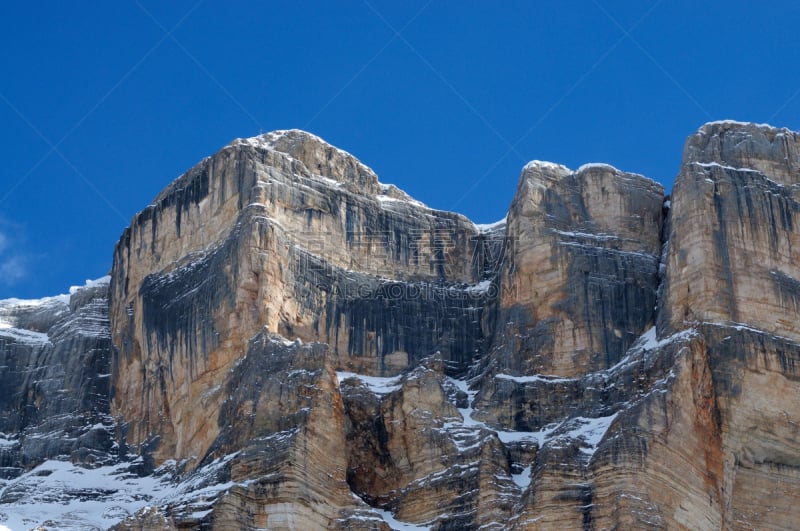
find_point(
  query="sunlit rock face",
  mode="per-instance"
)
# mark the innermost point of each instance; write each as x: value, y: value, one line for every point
x: 733, y: 252
x: 579, y: 281
x: 286, y: 343
x: 285, y: 234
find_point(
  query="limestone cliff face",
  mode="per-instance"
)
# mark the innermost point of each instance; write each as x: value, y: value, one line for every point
x: 734, y: 238
x: 286, y: 234
x: 287, y: 343
x: 579, y: 281
x: 731, y: 274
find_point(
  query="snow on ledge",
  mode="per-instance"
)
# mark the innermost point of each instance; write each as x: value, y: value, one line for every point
x: 396, y: 524
x: 543, y: 164
x: 588, y: 235
x: 596, y: 166
x: 489, y: 227
x: 379, y: 385
x: 724, y: 167
x: 534, y: 378
x: 738, y: 123
x: 20, y: 335
x: 102, y: 281
x: 410, y: 201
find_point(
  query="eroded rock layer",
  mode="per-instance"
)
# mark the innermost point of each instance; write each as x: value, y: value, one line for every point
x: 54, y: 376
x: 734, y: 240
x: 579, y: 283
x: 253, y: 239
x: 287, y: 343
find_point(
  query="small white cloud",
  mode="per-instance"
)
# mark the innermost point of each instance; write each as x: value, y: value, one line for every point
x: 13, y: 264
x: 12, y: 269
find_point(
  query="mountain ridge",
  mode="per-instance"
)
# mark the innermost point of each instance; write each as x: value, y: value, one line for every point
x: 293, y: 344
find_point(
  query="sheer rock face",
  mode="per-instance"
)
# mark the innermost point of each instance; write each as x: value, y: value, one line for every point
x: 734, y: 237
x: 54, y: 373
x: 771, y: 151
x: 737, y: 201
x: 580, y: 279
x: 254, y: 237
x: 283, y: 423
x: 298, y: 346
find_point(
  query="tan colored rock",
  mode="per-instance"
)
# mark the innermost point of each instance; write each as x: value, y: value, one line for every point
x: 773, y: 151
x: 254, y: 237
x: 411, y: 452
x: 735, y: 237
x: 579, y: 280
x: 577, y: 414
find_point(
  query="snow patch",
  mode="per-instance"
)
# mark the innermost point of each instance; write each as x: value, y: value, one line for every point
x: 379, y: 385
x: 535, y: 164
x: 596, y: 166
x: 14, y: 303
x: 540, y: 437
x: 523, y: 479
x: 489, y: 227
x: 20, y: 335
x: 94, y: 498
x: 649, y: 341
x: 534, y: 378
x: 396, y: 524
x: 481, y: 287
x: 591, y: 431
x: 78, y: 498
x: 466, y: 434
x: 102, y: 281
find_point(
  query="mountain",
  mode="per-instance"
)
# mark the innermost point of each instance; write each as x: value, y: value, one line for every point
x: 284, y: 342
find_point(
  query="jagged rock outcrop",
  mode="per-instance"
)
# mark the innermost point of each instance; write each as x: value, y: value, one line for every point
x: 54, y: 374
x: 290, y: 344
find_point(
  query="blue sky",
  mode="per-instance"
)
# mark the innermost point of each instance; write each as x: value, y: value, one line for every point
x: 102, y: 104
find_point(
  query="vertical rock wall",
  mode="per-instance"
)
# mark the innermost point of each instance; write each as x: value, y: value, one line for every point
x: 54, y: 375
x: 733, y: 252
x: 288, y: 234
x: 579, y: 285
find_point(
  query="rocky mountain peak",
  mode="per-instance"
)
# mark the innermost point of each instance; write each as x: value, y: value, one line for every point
x: 318, y: 156
x: 770, y: 150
